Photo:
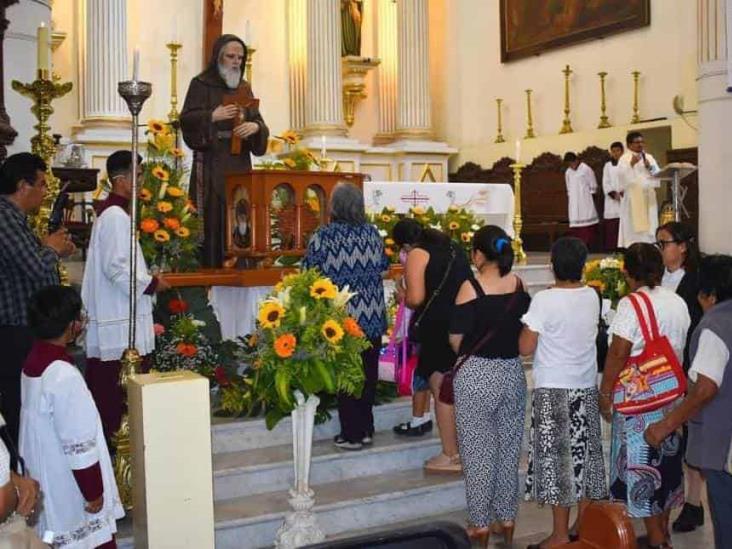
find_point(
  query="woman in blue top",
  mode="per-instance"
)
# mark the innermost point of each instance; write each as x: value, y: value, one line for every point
x: 349, y: 251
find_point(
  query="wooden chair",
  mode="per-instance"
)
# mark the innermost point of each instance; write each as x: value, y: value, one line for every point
x: 605, y: 525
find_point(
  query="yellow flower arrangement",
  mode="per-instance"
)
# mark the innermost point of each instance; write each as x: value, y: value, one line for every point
x: 161, y: 173
x: 270, y: 314
x: 149, y: 225
x: 177, y: 152
x: 183, y: 232
x: 332, y: 331
x: 386, y: 218
x: 164, y: 207
x: 290, y: 137
x: 157, y: 126
x: 453, y: 225
x: 284, y: 346
x: 164, y: 141
x: 175, y: 192
x: 172, y: 223
x: 418, y: 210
x: 351, y: 326
x: 161, y: 235
x: 145, y: 195
x: 323, y: 289
x: 289, y: 162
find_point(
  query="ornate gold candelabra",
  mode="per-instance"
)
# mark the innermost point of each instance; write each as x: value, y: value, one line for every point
x: 174, y: 47
x: 518, y: 223
x: 42, y: 91
x: 566, y: 123
x: 499, y: 136
x: 636, y: 115
x: 604, y: 120
x: 529, y: 119
x: 248, y: 67
x: 135, y: 94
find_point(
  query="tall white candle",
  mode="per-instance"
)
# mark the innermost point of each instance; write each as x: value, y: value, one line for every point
x: 176, y: 29
x: 44, y: 62
x: 247, y: 32
x: 518, y: 151
x: 136, y: 65
x: 323, y: 152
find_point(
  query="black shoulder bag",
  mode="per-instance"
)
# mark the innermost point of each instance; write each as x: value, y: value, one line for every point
x: 414, y: 326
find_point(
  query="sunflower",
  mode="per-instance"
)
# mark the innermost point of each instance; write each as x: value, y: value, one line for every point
x: 172, y: 223
x: 418, y: 210
x: 149, y: 225
x: 389, y: 241
x: 145, y: 195
x: 157, y: 126
x: 465, y: 237
x: 175, y: 192
x: 164, y: 141
x: 183, y: 232
x: 164, y: 206
x: 290, y: 137
x: 161, y: 235
x: 284, y: 346
x: 386, y: 218
x: 332, y: 331
x: 289, y: 162
x: 352, y: 327
x: 323, y: 288
x: 270, y: 314
x: 178, y: 153
x: 160, y: 173
x: 453, y: 225
x: 190, y: 206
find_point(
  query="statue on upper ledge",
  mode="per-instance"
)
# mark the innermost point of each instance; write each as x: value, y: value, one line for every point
x: 221, y: 122
x: 351, y: 17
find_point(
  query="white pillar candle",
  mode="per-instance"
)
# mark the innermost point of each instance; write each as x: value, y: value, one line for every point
x: 322, y: 147
x: 247, y: 32
x: 518, y: 151
x: 43, y: 59
x: 136, y: 65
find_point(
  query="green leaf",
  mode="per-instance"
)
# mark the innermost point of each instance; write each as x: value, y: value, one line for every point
x: 273, y: 417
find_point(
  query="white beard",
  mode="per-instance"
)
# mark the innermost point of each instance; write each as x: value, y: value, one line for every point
x: 232, y: 77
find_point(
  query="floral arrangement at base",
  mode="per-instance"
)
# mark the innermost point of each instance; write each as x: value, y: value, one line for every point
x: 607, y: 276
x: 305, y: 340
x: 459, y: 223
x: 295, y: 158
x: 169, y: 226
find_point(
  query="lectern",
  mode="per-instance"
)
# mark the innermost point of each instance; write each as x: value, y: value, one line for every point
x: 674, y: 173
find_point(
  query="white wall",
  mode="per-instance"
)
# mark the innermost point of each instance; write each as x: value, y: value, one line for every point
x: 468, y: 75
x: 20, y: 50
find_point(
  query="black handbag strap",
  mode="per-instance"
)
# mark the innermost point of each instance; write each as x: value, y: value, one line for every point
x: 491, y: 330
x: 453, y: 255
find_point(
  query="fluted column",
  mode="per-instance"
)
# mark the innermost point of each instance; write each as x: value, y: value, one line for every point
x: 297, y: 49
x: 715, y: 119
x: 414, y: 119
x: 104, y: 61
x: 324, y: 103
x: 387, y: 77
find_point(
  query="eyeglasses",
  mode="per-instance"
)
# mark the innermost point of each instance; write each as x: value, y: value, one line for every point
x: 661, y: 244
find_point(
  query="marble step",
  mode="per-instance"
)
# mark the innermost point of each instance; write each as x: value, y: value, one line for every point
x: 344, y: 506
x: 249, y: 434
x: 270, y: 469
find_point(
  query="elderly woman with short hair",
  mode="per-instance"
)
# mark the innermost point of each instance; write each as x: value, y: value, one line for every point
x: 349, y: 251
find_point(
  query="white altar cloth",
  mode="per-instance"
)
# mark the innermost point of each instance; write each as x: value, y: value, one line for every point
x: 491, y: 202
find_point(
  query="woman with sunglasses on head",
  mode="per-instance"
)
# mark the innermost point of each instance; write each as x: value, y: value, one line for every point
x: 681, y: 261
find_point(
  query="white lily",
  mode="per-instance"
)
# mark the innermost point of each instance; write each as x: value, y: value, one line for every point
x: 163, y: 190
x: 343, y: 296
x: 436, y: 226
x: 303, y: 315
x: 475, y: 226
x: 383, y: 233
x: 283, y: 297
x: 198, y: 323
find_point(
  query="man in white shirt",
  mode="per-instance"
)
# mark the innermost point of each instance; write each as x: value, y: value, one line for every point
x: 105, y: 292
x: 613, y: 195
x: 638, y: 206
x: 581, y: 185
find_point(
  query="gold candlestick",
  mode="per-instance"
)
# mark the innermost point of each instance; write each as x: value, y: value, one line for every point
x: 174, y: 47
x: 499, y: 137
x: 636, y: 115
x: 604, y: 120
x: 518, y: 223
x: 530, y: 121
x: 566, y: 123
x: 248, y: 67
x: 42, y: 92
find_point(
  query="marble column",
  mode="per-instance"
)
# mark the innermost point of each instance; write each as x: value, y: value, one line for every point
x: 297, y: 50
x: 104, y: 115
x: 414, y: 119
x: 324, y: 102
x: 715, y: 119
x: 386, y: 74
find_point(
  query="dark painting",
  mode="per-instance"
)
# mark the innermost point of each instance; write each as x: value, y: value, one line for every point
x: 530, y: 27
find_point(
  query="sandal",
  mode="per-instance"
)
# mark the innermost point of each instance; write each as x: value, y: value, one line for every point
x: 443, y: 464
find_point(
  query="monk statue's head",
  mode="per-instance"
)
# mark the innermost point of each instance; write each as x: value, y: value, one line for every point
x: 228, y: 60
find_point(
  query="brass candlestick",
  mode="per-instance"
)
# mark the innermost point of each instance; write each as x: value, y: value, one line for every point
x: 636, y: 115
x: 530, y: 120
x: 566, y: 123
x: 174, y: 47
x: 499, y: 137
x: 604, y: 120
x: 518, y: 223
x: 248, y: 67
x: 42, y: 91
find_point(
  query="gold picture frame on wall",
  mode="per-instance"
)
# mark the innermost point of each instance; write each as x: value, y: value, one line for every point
x: 531, y: 27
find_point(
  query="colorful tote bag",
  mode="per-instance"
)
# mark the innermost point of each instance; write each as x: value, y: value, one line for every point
x: 396, y: 362
x: 655, y: 377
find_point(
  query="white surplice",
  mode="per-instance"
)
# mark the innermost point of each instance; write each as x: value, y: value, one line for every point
x: 60, y: 431
x: 611, y: 184
x: 105, y: 289
x: 581, y: 185
x: 640, y: 193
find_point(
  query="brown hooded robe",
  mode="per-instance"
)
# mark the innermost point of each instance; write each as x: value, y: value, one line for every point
x: 211, y: 143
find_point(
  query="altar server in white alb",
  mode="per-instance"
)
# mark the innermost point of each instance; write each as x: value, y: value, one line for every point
x: 581, y: 185
x: 105, y: 293
x: 638, y: 207
x: 61, y: 437
x: 613, y: 196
